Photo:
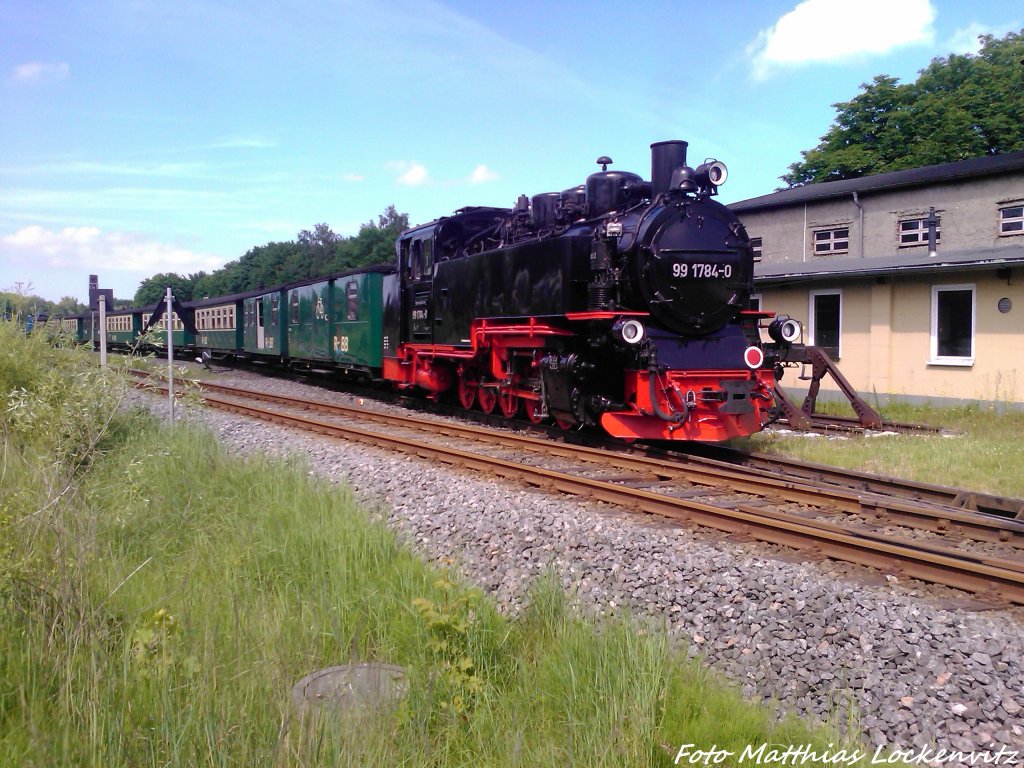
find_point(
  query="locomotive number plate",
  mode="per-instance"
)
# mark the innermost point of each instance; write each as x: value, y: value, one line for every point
x: 681, y: 269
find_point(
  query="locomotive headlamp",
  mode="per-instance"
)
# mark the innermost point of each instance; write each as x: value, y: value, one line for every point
x: 784, y: 329
x: 628, y: 331
x: 711, y: 173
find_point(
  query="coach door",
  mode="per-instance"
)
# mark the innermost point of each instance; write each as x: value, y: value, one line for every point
x: 421, y: 272
x: 261, y: 333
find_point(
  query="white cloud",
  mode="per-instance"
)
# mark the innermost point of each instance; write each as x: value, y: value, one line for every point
x: 92, y: 248
x: 352, y: 177
x: 826, y: 31
x: 40, y: 72
x: 482, y: 174
x: 965, y: 40
x: 412, y: 174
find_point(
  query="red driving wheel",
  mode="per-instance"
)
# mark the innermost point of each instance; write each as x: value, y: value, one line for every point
x: 509, y: 403
x: 534, y: 411
x: 468, y: 387
x: 487, y: 398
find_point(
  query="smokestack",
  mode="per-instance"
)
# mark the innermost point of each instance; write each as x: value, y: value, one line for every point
x: 666, y: 156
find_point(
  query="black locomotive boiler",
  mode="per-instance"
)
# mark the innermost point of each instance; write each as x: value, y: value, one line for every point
x: 622, y: 303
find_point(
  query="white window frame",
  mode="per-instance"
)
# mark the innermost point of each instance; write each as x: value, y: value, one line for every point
x: 831, y: 240
x: 811, y: 330
x: 935, y: 358
x: 1004, y: 220
x: 921, y: 231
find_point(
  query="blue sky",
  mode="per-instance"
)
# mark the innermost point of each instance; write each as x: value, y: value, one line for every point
x: 141, y: 136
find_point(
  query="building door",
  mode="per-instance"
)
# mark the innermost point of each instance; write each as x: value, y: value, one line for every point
x: 826, y: 321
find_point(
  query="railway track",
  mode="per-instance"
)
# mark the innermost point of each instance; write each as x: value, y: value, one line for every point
x: 828, y: 424
x: 910, y: 538
x: 854, y: 480
x: 713, y: 455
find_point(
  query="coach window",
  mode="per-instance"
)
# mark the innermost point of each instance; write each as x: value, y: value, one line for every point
x: 952, y: 333
x: 294, y: 302
x: 826, y: 309
x: 275, y: 300
x: 352, y: 300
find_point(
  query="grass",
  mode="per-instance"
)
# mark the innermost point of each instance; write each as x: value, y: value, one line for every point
x: 159, y: 599
x: 981, y: 450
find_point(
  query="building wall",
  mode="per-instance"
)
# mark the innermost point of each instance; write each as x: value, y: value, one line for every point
x: 968, y: 212
x: 885, y: 337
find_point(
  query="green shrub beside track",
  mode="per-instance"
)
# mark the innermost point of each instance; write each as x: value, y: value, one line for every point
x: 158, y: 599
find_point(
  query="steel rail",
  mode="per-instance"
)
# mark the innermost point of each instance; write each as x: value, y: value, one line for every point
x: 774, y: 465
x: 883, y: 508
x: 988, y: 577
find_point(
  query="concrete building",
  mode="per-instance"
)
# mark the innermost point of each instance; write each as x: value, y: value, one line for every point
x: 913, y: 280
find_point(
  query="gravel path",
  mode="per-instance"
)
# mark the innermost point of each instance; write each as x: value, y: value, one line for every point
x: 917, y: 675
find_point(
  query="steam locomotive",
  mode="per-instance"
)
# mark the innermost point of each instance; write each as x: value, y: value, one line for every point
x: 620, y: 303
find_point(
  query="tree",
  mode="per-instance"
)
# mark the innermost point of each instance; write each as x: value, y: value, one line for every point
x: 152, y: 289
x: 69, y: 305
x: 959, y: 107
x: 313, y: 253
x: 392, y: 220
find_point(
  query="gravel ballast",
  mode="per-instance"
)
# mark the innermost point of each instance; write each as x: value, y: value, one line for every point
x: 916, y: 675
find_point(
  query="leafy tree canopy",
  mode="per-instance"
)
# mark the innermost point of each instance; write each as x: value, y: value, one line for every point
x: 18, y: 303
x: 959, y: 107
x: 152, y: 289
x: 313, y: 253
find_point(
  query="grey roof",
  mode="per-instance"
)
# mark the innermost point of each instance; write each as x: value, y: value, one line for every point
x: 895, y: 264
x: 931, y: 174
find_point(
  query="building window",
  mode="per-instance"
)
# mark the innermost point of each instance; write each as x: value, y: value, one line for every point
x: 755, y: 248
x: 828, y: 241
x: 1011, y: 220
x: 826, y: 321
x: 952, y: 334
x: 915, y: 232
x: 754, y: 303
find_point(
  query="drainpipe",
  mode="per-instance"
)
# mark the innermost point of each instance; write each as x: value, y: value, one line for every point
x: 804, y: 255
x: 860, y: 227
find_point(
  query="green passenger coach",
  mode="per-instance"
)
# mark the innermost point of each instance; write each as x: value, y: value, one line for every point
x: 263, y: 334
x: 179, y: 336
x: 358, y: 308
x: 336, y: 321
x: 122, y: 328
